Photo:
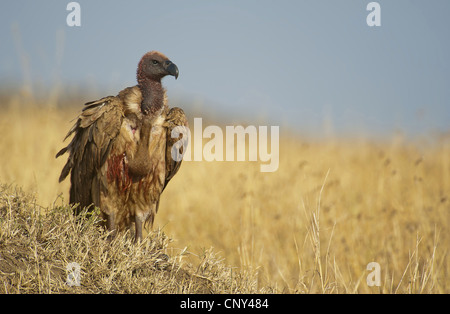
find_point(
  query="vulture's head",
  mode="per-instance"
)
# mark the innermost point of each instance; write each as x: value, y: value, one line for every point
x: 154, y: 66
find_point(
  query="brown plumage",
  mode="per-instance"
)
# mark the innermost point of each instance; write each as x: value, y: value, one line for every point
x: 120, y: 156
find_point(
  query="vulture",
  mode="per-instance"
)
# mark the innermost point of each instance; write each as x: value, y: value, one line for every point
x: 122, y: 154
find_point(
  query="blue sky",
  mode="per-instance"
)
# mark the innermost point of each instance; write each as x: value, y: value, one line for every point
x: 315, y: 66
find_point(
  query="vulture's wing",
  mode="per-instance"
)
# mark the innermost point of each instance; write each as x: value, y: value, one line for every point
x: 95, y: 130
x: 175, y: 121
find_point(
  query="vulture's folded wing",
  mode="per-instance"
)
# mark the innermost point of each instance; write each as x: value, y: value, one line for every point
x: 94, y: 133
x: 177, y: 139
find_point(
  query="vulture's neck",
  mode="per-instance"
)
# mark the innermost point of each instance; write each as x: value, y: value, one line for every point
x: 152, y: 95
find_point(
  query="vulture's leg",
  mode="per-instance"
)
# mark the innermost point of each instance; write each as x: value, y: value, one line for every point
x: 138, y: 224
x: 111, y: 224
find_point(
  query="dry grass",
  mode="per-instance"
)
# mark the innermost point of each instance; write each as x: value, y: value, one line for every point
x: 311, y: 227
x: 37, y: 250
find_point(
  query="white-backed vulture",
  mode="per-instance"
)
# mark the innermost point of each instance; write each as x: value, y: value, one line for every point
x: 120, y: 155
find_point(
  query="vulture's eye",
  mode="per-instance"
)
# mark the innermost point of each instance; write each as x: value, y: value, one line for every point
x: 155, y: 62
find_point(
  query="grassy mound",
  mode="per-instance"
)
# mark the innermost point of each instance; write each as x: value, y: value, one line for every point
x: 39, y: 249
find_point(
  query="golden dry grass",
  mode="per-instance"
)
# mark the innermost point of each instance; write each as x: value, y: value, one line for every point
x: 56, y: 252
x: 311, y: 227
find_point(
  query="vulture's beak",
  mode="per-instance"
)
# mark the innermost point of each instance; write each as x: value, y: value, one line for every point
x: 172, y: 69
